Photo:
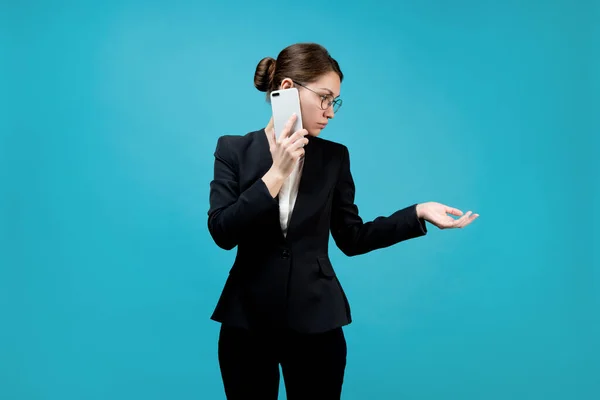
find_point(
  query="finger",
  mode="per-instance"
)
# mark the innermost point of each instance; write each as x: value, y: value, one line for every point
x: 464, y: 220
x: 298, y: 154
x: 453, y: 211
x: 287, y: 130
x: 452, y: 223
x: 293, y: 146
x: 472, y: 218
x: 298, y: 135
x: 299, y: 144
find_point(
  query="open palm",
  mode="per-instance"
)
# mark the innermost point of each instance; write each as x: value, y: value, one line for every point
x: 437, y: 214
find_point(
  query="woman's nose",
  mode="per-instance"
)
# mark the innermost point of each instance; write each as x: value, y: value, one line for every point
x: 329, y: 112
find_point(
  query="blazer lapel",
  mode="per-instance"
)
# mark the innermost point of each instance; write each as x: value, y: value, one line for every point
x: 265, y: 161
x: 310, y: 173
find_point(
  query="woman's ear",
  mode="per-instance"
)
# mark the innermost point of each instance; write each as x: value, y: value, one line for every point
x: 286, y: 83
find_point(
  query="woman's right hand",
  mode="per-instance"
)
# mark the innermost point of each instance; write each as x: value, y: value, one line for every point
x: 288, y: 149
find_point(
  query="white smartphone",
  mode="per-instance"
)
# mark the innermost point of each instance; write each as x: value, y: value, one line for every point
x: 284, y: 103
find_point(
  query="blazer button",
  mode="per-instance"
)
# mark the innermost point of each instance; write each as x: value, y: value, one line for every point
x: 285, y: 254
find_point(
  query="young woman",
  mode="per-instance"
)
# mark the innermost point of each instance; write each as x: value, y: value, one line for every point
x: 277, y: 200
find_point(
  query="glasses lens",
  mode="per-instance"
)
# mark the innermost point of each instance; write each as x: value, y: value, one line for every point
x: 336, y: 105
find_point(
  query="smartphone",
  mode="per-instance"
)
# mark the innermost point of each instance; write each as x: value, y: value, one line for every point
x: 284, y: 103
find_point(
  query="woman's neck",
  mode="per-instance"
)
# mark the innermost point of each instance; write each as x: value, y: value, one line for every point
x: 270, y: 126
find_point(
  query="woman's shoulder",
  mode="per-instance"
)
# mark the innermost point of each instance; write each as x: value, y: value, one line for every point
x: 238, y: 142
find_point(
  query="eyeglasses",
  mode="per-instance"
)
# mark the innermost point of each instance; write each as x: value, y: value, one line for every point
x: 327, y: 100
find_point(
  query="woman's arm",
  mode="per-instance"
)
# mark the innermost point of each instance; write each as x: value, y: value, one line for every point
x: 232, y: 212
x: 352, y: 235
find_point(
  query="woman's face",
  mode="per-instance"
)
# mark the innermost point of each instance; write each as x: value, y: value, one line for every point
x: 314, y: 118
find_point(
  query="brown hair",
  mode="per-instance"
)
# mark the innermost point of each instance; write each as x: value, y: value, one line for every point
x: 302, y: 62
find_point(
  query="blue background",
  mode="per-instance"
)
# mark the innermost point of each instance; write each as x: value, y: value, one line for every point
x: 110, y: 114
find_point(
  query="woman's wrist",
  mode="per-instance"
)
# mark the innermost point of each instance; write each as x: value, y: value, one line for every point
x: 273, y: 179
x: 419, y: 210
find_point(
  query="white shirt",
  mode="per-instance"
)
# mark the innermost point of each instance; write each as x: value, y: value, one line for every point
x: 288, y: 195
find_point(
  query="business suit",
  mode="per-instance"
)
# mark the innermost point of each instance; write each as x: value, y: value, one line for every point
x: 289, y: 282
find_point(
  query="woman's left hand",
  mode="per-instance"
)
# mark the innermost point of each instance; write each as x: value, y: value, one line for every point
x: 437, y: 214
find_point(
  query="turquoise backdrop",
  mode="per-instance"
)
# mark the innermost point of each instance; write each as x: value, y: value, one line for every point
x: 109, y: 116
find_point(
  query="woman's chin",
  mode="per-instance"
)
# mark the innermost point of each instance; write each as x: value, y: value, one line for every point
x: 314, y: 132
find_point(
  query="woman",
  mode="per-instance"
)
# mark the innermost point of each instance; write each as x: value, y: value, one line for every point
x: 277, y: 200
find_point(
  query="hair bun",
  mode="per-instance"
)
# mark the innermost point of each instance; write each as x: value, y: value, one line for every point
x: 263, y: 77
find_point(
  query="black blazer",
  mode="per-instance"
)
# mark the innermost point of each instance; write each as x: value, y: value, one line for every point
x: 289, y: 282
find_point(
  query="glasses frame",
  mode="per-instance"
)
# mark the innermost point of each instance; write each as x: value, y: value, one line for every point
x: 336, y: 103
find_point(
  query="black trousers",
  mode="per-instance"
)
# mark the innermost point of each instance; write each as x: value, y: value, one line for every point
x: 313, y: 365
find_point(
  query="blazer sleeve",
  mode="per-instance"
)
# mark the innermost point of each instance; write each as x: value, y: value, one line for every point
x: 231, y: 213
x: 355, y: 237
